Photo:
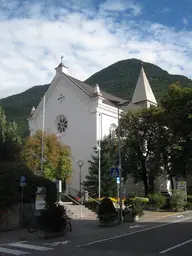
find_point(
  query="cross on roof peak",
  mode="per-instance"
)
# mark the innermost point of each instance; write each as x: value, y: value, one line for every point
x: 61, y: 59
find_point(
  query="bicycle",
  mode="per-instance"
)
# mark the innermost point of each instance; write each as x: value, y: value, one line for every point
x: 68, y: 226
x: 32, y: 225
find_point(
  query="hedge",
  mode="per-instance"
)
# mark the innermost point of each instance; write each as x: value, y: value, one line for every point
x: 116, y: 200
x: 10, y: 190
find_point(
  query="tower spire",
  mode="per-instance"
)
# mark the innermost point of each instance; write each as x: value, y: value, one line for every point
x: 143, y: 91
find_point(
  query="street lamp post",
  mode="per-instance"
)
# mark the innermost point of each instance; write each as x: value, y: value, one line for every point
x: 120, y: 161
x: 80, y: 164
x: 42, y: 139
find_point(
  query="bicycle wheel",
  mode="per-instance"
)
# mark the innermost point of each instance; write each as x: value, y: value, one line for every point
x: 68, y: 227
x: 31, y: 226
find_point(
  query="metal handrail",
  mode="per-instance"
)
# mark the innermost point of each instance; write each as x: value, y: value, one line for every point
x: 76, y: 203
x: 94, y: 199
x: 88, y: 195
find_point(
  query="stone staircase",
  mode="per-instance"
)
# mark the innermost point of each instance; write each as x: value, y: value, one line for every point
x: 75, y: 211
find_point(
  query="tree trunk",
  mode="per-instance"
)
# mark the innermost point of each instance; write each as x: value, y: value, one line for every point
x: 172, y: 184
x: 145, y: 182
x: 151, y: 184
x: 145, y: 179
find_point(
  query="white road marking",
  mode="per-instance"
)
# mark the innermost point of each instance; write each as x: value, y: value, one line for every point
x: 176, y: 246
x: 132, y: 233
x: 13, y: 252
x: 57, y: 243
x: 29, y: 246
x: 179, y: 216
x: 8, y: 242
x: 137, y: 226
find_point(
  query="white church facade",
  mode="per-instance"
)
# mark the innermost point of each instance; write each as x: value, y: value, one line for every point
x: 80, y: 115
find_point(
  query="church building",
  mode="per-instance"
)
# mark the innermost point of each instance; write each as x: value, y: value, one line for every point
x: 81, y: 115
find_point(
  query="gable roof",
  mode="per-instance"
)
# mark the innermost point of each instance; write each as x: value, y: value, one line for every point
x: 109, y: 99
x: 89, y: 90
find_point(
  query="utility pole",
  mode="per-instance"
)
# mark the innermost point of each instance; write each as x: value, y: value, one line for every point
x: 99, y: 152
x: 42, y: 139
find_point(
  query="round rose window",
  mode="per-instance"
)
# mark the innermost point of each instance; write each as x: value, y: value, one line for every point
x: 61, y: 124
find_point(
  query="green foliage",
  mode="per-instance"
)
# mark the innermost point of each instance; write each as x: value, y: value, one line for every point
x: 140, y: 139
x: 133, y: 207
x: 10, y: 142
x: 10, y: 189
x: 18, y: 107
x: 177, y: 105
x: 108, y: 160
x: 178, y: 200
x: 157, y: 199
x: 57, y: 156
x: 188, y: 206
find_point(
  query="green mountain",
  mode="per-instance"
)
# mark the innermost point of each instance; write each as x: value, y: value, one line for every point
x: 119, y: 79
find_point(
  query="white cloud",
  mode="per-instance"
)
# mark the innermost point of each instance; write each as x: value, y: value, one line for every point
x: 89, y: 39
x: 121, y: 5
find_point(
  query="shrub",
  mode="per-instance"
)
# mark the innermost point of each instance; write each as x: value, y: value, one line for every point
x: 106, y: 207
x: 53, y: 218
x: 116, y: 200
x: 157, y: 199
x: 189, y: 198
x: 10, y: 189
x: 133, y: 207
x: 188, y: 206
x: 178, y: 200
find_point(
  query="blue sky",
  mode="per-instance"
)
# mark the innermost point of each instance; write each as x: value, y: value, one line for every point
x: 91, y: 35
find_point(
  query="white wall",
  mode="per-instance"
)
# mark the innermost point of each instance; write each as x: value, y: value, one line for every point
x: 106, y: 116
x: 80, y: 134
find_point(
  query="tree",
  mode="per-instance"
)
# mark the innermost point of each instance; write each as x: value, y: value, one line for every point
x: 108, y: 160
x: 177, y: 104
x: 57, y: 156
x: 10, y: 141
x: 140, y: 151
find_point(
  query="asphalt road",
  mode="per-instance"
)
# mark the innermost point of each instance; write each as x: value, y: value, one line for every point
x: 170, y: 237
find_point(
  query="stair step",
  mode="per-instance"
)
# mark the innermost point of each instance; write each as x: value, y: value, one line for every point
x: 75, y: 211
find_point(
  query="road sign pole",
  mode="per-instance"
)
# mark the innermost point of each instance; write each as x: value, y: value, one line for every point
x: 21, y: 217
x: 117, y: 181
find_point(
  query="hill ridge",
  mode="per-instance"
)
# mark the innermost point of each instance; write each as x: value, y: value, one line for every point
x: 118, y: 79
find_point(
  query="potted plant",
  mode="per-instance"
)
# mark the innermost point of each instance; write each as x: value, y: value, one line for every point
x: 52, y: 222
x: 107, y: 213
x: 133, y: 209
